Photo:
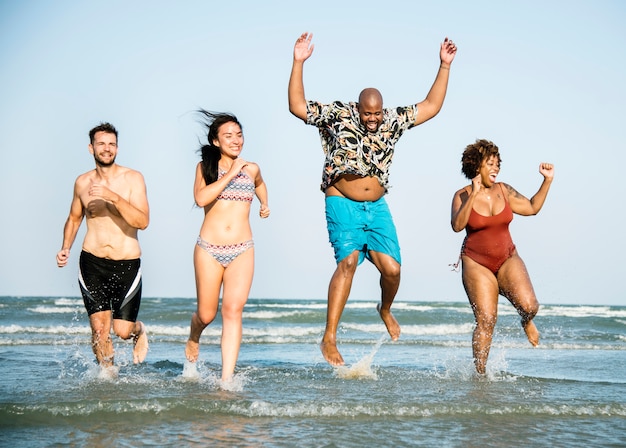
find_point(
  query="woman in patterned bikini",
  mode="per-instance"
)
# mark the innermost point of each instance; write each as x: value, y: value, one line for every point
x: 491, y: 264
x: 225, y: 186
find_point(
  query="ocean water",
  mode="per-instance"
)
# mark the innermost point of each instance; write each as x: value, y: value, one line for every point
x: 418, y: 391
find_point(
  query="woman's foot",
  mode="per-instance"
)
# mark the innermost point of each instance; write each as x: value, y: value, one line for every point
x: 531, y: 333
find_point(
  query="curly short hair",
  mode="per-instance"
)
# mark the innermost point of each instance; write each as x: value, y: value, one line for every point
x: 475, y: 154
x: 102, y: 127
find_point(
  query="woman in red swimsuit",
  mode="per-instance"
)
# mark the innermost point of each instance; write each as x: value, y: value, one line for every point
x: 490, y: 262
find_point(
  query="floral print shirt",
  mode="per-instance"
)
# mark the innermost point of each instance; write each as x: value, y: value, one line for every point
x: 349, y: 147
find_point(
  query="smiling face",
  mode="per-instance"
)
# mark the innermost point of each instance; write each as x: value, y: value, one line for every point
x: 104, y: 148
x: 371, y: 109
x: 478, y: 154
x: 489, y: 170
x: 229, y: 139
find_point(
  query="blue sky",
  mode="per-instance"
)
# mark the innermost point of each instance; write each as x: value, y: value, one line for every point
x: 543, y: 80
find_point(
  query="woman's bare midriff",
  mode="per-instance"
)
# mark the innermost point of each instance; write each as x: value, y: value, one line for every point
x: 356, y: 188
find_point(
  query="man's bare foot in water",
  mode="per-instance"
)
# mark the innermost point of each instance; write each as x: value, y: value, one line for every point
x: 192, y: 350
x: 531, y: 333
x: 393, y: 327
x: 140, y: 349
x: 331, y: 354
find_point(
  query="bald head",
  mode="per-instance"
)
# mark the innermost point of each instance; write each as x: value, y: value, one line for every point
x: 371, y: 109
x: 370, y: 96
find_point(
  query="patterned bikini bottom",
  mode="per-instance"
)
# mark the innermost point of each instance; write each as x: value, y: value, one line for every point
x: 224, y: 254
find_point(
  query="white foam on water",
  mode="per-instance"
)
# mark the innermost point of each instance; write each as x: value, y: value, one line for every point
x: 320, y: 305
x: 190, y: 371
x: 69, y: 302
x: 582, y: 311
x: 195, y: 372
x: 96, y: 372
x: 55, y: 329
x: 362, y: 369
x: 416, y: 330
x: 264, y: 314
x: 43, y: 309
x: 235, y: 383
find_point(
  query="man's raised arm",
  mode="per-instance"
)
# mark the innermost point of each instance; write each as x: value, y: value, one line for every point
x: 433, y: 102
x: 301, y: 52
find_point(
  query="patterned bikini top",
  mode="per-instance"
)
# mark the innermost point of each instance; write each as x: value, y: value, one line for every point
x: 240, y: 187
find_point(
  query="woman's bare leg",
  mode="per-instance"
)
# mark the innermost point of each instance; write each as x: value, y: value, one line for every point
x: 237, y: 283
x: 481, y: 287
x: 208, y: 283
x: 516, y: 286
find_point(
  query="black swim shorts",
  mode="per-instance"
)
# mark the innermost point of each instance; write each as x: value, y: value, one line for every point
x: 110, y: 285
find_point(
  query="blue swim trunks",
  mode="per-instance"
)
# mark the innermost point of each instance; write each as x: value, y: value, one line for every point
x: 363, y: 226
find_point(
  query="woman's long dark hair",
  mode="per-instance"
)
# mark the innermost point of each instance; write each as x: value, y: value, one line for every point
x: 211, y: 153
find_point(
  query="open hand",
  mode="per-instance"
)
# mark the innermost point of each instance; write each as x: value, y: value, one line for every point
x: 303, y: 48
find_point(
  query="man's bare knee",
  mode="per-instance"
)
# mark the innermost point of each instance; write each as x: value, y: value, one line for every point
x: 391, y: 272
x: 349, y: 264
x: 125, y: 330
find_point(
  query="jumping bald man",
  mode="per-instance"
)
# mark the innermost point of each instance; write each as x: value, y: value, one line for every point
x: 358, y: 141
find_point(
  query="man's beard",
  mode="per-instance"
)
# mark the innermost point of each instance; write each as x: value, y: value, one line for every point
x: 103, y: 164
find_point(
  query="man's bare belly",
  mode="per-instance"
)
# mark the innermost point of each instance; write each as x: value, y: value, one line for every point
x: 113, y: 244
x: 356, y: 188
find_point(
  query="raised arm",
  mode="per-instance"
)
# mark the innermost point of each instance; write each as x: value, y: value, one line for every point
x: 301, y: 52
x: 433, y: 102
x: 527, y: 207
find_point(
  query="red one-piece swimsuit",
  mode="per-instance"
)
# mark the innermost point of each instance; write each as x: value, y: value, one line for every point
x: 488, y: 240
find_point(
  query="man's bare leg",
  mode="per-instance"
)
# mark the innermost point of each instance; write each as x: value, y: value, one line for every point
x: 101, y: 342
x: 393, y: 327
x: 338, y: 292
x: 140, y: 341
x: 389, y: 283
x: 192, y: 349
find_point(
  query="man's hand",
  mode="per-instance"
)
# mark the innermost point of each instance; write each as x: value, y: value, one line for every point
x: 62, y: 256
x: 303, y: 48
x: 104, y: 193
x: 447, y: 52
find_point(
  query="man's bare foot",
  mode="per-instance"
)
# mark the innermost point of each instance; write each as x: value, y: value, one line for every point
x: 393, y: 327
x: 331, y: 354
x: 531, y: 333
x: 192, y: 350
x: 140, y: 349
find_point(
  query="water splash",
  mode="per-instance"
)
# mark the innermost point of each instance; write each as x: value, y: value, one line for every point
x: 190, y: 371
x: 362, y: 369
x: 104, y: 373
x: 235, y: 383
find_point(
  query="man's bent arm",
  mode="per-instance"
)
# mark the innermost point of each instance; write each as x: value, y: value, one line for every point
x: 136, y: 211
